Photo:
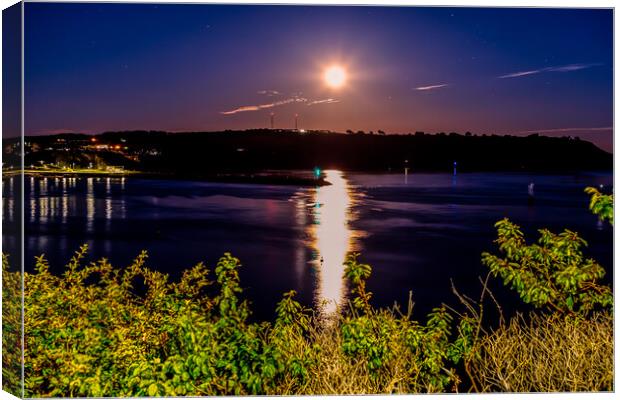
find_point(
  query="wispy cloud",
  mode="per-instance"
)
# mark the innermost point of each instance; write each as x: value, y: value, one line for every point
x: 522, y: 73
x: 572, y: 67
x: 267, y: 105
x: 243, y: 109
x: 294, y: 99
x: 432, y: 87
x: 558, y: 130
x: 323, y: 101
x: 269, y: 92
x: 561, y: 68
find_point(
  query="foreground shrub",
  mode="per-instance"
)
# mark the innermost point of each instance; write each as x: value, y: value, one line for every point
x: 91, y: 332
x: 100, y: 331
x: 400, y: 354
x: 11, y: 330
x: 551, y: 274
x: 94, y: 332
x: 601, y: 204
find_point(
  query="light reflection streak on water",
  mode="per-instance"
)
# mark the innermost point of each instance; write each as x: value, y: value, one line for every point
x: 90, y: 204
x: 65, y: 209
x: 43, y: 187
x: 122, y: 206
x: 57, y: 198
x: 8, y: 201
x: 300, y: 249
x: 33, y: 201
x: 53, y: 205
x: 64, y: 201
x: 108, y: 203
x: 45, y: 202
x: 332, y: 238
x: 11, y: 208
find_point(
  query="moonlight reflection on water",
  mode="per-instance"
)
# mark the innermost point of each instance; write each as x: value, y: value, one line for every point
x: 332, y: 238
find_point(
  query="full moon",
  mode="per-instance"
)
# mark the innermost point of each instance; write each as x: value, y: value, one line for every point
x: 335, y: 76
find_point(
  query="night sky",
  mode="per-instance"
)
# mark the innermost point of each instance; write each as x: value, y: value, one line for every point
x: 101, y: 67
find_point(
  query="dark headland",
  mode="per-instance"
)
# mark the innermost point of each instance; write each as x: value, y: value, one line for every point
x: 231, y: 155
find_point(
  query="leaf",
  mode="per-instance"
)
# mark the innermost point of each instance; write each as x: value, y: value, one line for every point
x: 153, y: 390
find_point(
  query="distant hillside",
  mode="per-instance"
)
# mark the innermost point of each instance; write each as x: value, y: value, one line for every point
x: 196, y: 153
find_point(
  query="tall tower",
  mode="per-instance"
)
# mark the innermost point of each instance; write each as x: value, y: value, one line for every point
x: 272, y: 119
x: 296, y: 117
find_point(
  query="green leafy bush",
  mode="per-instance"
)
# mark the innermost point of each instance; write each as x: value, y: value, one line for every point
x: 601, y: 204
x: 88, y: 333
x: 552, y: 273
x: 380, y: 337
x: 11, y: 330
x: 100, y: 331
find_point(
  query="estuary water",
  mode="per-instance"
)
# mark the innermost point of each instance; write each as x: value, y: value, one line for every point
x: 420, y: 232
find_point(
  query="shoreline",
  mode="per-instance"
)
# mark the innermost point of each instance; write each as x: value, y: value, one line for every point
x: 263, y: 178
x: 271, y: 177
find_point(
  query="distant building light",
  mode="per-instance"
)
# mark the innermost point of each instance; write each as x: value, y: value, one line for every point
x: 302, y: 131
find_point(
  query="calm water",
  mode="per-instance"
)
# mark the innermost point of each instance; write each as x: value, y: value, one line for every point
x: 418, y: 232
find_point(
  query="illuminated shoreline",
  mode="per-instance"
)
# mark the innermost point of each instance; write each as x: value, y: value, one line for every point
x: 242, y: 178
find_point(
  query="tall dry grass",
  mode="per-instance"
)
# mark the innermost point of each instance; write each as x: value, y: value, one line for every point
x: 547, y: 353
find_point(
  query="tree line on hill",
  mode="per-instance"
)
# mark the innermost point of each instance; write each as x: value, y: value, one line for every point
x: 194, y: 153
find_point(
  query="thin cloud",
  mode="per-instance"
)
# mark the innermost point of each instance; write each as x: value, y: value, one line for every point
x: 572, y: 67
x: 432, y: 87
x: 242, y: 109
x: 324, y: 101
x: 562, y: 68
x: 294, y: 99
x: 269, y: 92
x: 557, y: 130
x: 523, y: 73
x: 264, y: 106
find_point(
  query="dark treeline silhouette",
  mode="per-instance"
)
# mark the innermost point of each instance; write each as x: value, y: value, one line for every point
x: 196, y: 153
